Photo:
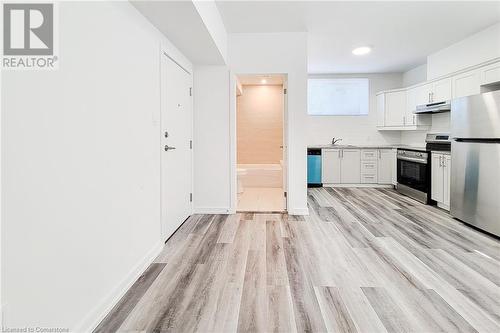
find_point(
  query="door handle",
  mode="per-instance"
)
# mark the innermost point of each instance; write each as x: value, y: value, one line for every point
x: 167, y: 148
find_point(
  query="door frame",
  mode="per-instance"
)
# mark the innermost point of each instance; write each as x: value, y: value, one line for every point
x: 165, y: 53
x: 233, y: 195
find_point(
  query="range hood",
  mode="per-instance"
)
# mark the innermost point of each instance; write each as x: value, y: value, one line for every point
x: 434, y: 107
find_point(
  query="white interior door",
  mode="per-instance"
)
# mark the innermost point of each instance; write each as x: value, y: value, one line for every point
x: 176, y: 161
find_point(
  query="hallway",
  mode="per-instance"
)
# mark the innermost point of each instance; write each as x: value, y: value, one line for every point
x: 365, y: 260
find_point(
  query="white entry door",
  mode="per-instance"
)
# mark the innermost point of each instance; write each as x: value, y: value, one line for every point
x: 176, y: 161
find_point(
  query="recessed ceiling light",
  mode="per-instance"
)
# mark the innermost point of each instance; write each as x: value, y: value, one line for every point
x: 263, y: 81
x: 362, y: 50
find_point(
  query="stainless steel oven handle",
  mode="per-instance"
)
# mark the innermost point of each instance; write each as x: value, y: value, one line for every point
x: 411, y: 159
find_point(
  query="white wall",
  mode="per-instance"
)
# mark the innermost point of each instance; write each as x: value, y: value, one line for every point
x: 440, y: 124
x: 415, y: 75
x: 281, y: 53
x: 212, y: 179
x: 478, y: 48
x: 81, y: 157
x: 355, y: 129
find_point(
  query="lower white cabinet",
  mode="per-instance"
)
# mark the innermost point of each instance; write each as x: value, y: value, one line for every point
x: 358, y: 166
x: 440, y: 179
x: 341, y: 166
x: 350, y: 170
x: 386, y: 166
x: 331, y: 164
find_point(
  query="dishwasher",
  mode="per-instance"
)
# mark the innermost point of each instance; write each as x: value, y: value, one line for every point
x: 314, y: 167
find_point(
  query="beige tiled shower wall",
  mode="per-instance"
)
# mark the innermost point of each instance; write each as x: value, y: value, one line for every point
x: 260, y: 124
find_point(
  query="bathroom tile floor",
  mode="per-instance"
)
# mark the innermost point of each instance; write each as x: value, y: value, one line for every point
x: 261, y: 199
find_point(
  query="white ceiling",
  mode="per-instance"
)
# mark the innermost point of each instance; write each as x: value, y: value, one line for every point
x: 183, y: 26
x: 402, y: 33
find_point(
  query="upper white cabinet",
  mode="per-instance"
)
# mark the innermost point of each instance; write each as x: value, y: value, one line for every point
x: 412, y: 120
x: 441, y: 90
x: 490, y: 74
x: 395, y: 110
x: 434, y: 92
x: 423, y: 94
x: 466, y: 84
x: 391, y: 106
x: 395, y: 106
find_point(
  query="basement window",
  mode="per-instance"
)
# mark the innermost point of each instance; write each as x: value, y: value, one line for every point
x: 337, y: 96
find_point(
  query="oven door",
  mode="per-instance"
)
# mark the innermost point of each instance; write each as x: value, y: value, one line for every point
x: 413, y: 173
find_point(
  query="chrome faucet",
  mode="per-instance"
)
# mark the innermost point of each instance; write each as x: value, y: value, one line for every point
x: 334, y: 141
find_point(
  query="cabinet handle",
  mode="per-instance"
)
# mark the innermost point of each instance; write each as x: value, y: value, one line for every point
x: 339, y: 153
x: 404, y: 120
x: 429, y: 97
x: 414, y: 123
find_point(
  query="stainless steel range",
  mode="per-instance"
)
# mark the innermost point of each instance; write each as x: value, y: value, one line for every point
x: 414, y: 167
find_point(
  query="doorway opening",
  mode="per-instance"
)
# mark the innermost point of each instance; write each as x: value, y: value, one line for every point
x: 260, y: 143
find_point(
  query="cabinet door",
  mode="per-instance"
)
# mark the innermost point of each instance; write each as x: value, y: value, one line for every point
x: 395, y: 108
x: 394, y: 167
x: 385, y: 165
x: 351, y: 166
x: 424, y: 94
x: 411, y: 106
x: 330, y: 171
x: 381, y: 110
x: 466, y: 84
x: 490, y: 73
x: 446, y: 179
x: 441, y: 91
x: 437, y: 178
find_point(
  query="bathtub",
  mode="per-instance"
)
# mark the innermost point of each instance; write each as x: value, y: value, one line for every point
x: 261, y: 175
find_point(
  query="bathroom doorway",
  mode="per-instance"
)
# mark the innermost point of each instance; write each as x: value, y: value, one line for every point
x: 260, y: 143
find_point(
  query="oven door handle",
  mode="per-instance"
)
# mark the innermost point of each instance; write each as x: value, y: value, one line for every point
x: 412, y: 159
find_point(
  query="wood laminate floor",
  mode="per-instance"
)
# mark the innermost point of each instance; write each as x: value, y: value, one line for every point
x: 261, y: 199
x: 364, y: 260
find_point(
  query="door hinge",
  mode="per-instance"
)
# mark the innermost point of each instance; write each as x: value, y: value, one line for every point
x: 190, y: 197
x: 284, y: 91
x: 190, y: 144
x: 190, y: 91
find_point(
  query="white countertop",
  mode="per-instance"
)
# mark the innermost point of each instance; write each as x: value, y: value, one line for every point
x: 367, y: 146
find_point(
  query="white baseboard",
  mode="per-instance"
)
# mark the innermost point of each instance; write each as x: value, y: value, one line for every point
x: 360, y: 185
x: 298, y: 211
x: 212, y: 210
x: 443, y: 206
x: 97, y: 314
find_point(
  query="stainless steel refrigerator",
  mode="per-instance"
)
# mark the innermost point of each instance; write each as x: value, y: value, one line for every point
x: 475, y: 161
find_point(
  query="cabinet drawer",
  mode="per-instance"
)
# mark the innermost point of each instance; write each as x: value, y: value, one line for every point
x: 369, y: 167
x: 368, y: 179
x: 369, y: 154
